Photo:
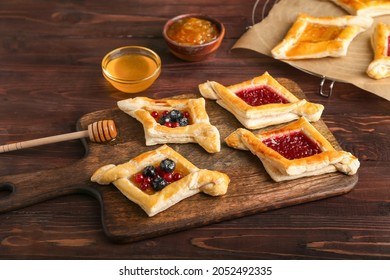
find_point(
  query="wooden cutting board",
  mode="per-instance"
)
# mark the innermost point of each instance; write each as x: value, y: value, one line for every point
x: 251, y: 190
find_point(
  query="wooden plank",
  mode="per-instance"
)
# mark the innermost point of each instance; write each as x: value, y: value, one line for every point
x: 251, y: 189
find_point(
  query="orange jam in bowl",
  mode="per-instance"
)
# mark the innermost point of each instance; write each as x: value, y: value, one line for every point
x: 131, y: 69
x: 192, y: 31
x: 193, y: 37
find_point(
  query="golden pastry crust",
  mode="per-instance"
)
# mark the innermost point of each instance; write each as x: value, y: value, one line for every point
x: 379, y: 68
x: 281, y: 168
x: 198, y: 131
x: 365, y: 7
x: 196, y: 180
x: 254, y: 117
x: 317, y: 37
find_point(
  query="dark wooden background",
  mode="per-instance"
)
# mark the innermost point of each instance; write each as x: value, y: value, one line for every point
x: 50, y: 76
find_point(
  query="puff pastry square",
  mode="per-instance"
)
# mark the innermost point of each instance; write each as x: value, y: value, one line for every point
x: 379, y: 68
x: 370, y: 8
x: 194, y: 180
x: 260, y: 102
x: 199, y: 130
x: 294, y: 151
x: 317, y: 37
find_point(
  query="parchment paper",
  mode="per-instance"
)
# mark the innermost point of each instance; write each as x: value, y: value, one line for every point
x: 264, y: 36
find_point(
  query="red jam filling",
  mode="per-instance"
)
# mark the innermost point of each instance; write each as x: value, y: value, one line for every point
x: 261, y: 96
x: 293, y: 145
x: 154, y: 178
x: 173, y: 118
x: 388, y: 46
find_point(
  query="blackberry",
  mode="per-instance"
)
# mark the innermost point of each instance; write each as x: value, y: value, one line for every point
x: 149, y: 171
x: 159, y: 183
x: 167, y: 165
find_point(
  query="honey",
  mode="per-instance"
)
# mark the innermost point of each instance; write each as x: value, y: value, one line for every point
x: 192, y: 31
x: 131, y: 67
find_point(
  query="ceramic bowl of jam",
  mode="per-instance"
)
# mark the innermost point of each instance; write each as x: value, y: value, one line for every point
x: 193, y: 37
x: 131, y: 69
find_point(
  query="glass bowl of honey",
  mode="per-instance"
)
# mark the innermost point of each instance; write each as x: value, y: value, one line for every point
x: 131, y: 69
x: 193, y: 37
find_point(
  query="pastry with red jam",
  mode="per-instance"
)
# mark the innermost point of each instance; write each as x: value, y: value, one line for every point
x: 261, y: 102
x: 174, y: 121
x: 379, y: 68
x: 293, y: 151
x: 158, y: 179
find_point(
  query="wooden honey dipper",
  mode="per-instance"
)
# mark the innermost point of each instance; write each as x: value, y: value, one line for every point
x: 100, y: 132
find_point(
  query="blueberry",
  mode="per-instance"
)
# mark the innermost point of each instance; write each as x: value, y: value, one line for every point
x: 149, y: 171
x: 164, y: 119
x: 167, y: 165
x: 175, y: 115
x: 159, y: 183
x: 183, y: 121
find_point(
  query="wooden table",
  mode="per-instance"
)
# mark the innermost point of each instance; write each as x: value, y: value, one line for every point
x: 50, y: 76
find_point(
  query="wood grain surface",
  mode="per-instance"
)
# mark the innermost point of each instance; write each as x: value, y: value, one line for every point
x: 50, y: 77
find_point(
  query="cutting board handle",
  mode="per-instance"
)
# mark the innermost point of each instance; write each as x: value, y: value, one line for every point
x: 21, y: 190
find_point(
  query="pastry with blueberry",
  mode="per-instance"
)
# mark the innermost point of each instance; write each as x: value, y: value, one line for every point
x: 158, y: 179
x: 174, y: 121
